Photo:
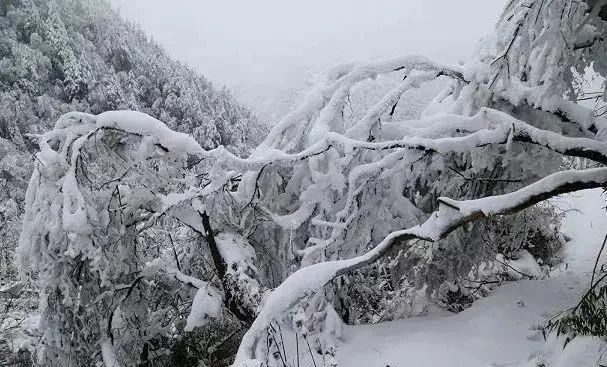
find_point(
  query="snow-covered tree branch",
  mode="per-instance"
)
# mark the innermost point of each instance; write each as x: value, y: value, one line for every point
x: 138, y: 235
x: 451, y: 215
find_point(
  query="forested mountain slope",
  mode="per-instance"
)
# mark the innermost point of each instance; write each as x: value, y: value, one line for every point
x: 58, y: 56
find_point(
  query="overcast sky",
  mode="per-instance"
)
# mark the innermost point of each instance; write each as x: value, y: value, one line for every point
x: 263, y: 45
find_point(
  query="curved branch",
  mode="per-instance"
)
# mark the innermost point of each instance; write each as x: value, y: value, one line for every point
x: 493, y: 127
x: 362, y: 128
x: 451, y: 215
x: 344, y: 77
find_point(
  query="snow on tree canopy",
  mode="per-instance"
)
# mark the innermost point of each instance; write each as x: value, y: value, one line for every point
x: 129, y: 219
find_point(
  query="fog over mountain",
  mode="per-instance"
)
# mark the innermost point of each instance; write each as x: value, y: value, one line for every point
x: 264, y: 49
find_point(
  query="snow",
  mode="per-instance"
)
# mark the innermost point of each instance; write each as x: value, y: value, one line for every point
x: 293, y: 289
x: 200, y: 284
x: 234, y: 249
x: 343, y: 77
x: 206, y: 305
x: 362, y: 127
x: 519, y: 306
x: 135, y: 123
x: 141, y: 123
x: 524, y: 265
x: 107, y: 353
x: 74, y: 221
x: 310, y: 135
x: 294, y: 220
x: 491, y: 127
x: 451, y: 214
x: 208, y: 300
x: 499, y: 330
x: 500, y: 203
x: 582, y: 351
x: 486, y: 127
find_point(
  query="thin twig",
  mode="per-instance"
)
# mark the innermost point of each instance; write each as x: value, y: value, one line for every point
x: 596, y: 263
x: 310, y: 351
x: 485, y: 178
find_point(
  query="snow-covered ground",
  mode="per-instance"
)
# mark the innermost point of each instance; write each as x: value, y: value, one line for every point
x: 500, y: 330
